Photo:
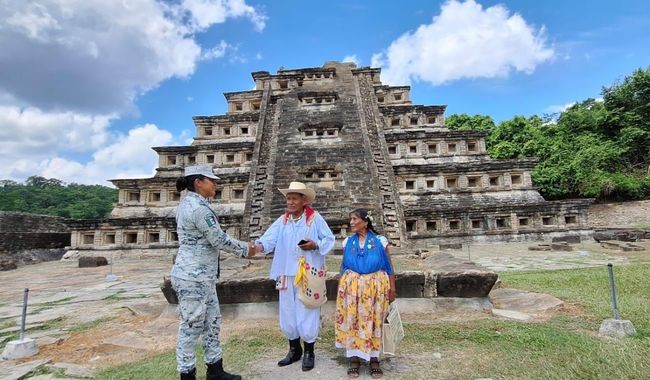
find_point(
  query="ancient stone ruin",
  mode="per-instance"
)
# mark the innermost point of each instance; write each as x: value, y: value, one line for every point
x: 359, y: 143
x: 29, y: 238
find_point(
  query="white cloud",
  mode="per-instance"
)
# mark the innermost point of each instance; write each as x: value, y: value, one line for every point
x: 102, y: 54
x: 215, y: 52
x: 72, y: 67
x: 128, y: 156
x: 351, y: 58
x: 558, y: 108
x: 464, y: 41
x: 30, y: 131
x: 208, y: 12
x: 258, y: 56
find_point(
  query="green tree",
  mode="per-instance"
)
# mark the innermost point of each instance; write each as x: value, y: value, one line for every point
x: 51, y: 196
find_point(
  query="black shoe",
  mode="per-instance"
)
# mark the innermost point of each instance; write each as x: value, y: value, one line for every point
x: 308, y: 358
x: 215, y: 372
x: 189, y: 375
x: 295, y: 353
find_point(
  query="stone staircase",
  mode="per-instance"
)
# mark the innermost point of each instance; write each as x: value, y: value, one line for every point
x: 372, y: 122
x: 256, y: 216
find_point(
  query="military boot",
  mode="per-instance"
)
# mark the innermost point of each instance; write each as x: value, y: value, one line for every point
x: 189, y: 375
x: 215, y: 372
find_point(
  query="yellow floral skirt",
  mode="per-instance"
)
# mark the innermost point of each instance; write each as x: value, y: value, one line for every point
x: 361, y: 306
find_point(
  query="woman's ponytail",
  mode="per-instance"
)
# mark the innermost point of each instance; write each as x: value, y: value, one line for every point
x: 181, y: 183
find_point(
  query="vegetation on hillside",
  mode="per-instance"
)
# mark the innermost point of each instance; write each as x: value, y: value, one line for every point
x: 38, y: 195
x: 596, y: 149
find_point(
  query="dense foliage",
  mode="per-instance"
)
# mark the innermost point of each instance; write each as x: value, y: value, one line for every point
x: 595, y: 148
x: 40, y: 195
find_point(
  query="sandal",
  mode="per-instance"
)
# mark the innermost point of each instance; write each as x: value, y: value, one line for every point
x: 353, y: 369
x: 375, y: 369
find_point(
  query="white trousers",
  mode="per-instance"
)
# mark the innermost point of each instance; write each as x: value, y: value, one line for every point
x: 297, y: 320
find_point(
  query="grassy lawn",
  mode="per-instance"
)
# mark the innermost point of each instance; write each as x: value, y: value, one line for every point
x: 565, y: 347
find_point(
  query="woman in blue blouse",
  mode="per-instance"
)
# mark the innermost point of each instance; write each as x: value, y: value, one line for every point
x: 366, y: 288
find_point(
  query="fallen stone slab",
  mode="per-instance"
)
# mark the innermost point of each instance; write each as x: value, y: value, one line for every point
x: 624, y: 234
x: 561, y: 246
x: 621, y: 246
x: 540, y: 247
x: 8, y: 264
x: 14, y: 372
x: 72, y: 370
x: 523, y: 301
x: 511, y: 314
x: 92, y: 261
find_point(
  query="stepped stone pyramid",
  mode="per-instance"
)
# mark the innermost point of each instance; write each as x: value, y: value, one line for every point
x: 359, y: 143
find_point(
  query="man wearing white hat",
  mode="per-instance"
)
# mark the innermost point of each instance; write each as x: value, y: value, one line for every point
x: 300, y: 231
x: 195, y: 272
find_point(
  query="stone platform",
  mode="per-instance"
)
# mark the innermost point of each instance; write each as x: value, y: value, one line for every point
x: 448, y: 277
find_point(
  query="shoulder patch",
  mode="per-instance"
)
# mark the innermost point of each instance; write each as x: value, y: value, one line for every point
x: 211, y: 220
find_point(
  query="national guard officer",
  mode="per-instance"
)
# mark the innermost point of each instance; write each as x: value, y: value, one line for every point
x: 195, y: 273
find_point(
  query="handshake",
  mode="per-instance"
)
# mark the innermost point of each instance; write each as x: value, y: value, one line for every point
x: 254, y: 249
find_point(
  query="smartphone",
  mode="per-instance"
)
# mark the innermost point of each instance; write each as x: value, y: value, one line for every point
x: 303, y: 241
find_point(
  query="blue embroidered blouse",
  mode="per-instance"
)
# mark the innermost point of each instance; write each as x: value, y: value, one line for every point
x: 370, y: 258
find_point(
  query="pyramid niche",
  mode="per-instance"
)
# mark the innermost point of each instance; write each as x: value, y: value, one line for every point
x: 359, y: 143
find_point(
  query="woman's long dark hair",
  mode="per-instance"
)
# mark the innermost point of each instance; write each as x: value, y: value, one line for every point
x: 362, y: 213
x: 183, y: 183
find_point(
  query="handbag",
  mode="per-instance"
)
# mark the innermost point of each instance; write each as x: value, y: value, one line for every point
x: 311, y: 283
x: 392, y: 331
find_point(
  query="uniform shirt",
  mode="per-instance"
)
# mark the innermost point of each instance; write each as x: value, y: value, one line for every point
x: 200, y: 238
x: 283, y: 237
x: 370, y: 258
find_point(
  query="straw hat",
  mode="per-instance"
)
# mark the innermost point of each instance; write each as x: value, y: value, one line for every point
x: 300, y: 188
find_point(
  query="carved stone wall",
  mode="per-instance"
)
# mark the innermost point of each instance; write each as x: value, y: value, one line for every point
x: 358, y: 143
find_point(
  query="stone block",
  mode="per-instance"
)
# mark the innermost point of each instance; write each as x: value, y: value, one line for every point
x: 92, y: 261
x: 444, y: 246
x: 561, y: 246
x: 540, y: 247
x: 571, y: 239
x: 18, y: 349
x: 465, y: 284
x: 8, y: 264
x: 616, y: 328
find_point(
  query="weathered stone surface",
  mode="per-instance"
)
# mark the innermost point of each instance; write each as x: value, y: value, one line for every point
x: 540, y: 247
x: 571, y: 239
x: 258, y: 290
x: 621, y: 234
x: 12, y: 371
x: 92, y: 261
x: 523, y: 301
x: 511, y: 314
x: 616, y: 328
x: 7, y: 264
x: 561, y: 246
x: 621, y: 246
x: 72, y: 370
x: 470, y: 283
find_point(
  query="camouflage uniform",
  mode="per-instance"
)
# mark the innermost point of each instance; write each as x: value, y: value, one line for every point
x: 194, y: 277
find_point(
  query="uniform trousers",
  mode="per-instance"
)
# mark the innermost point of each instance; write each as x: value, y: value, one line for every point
x: 198, y: 306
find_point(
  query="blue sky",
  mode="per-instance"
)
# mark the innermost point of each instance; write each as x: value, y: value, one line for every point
x: 88, y: 86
